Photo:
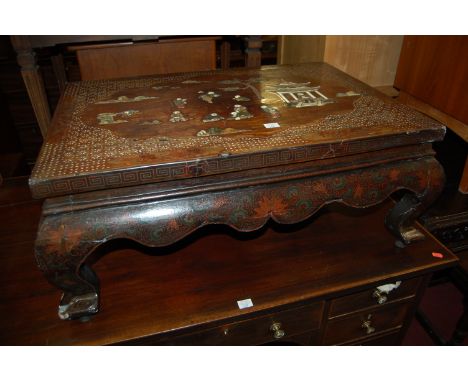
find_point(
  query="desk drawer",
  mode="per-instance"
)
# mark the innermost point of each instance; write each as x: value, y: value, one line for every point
x: 359, y: 326
x: 370, y: 298
x: 258, y: 330
x: 392, y: 338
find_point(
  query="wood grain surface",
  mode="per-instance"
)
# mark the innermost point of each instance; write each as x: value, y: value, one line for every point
x: 372, y: 59
x: 147, y: 58
x: 433, y: 69
x: 195, y: 285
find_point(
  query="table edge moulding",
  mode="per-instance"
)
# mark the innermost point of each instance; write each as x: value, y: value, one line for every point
x: 287, y: 184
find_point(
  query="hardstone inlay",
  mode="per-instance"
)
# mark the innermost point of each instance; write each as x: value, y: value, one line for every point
x: 84, y: 148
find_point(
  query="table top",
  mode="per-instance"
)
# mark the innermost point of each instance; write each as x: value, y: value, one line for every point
x: 115, y: 133
x: 191, y: 284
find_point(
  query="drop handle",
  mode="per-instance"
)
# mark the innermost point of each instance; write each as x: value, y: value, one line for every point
x: 277, y: 331
x: 380, y: 296
x: 367, y: 324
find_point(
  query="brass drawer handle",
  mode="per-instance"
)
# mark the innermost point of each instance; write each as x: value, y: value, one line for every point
x: 276, y: 329
x: 381, y: 292
x: 380, y: 296
x: 368, y: 325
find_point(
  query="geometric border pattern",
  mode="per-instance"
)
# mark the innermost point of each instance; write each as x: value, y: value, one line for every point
x: 165, y: 172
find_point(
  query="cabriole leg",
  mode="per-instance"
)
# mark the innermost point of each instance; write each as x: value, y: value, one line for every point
x: 63, y: 265
x: 400, y: 220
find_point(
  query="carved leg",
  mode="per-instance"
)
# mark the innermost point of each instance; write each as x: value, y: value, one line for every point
x: 70, y: 231
x: 61, y: 258
x: 401, y: 218
x: 80, y: 287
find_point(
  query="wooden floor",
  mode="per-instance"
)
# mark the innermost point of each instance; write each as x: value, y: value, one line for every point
x: 149, y: 292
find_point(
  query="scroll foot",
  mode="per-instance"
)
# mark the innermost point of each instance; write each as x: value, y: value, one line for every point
x: 81, y: 293
x: 78, y: 306
x: 67, y: 271
x: 401, y: 218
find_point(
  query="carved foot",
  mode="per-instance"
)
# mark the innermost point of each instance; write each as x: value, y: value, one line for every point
x: 61, y: 259
x: 78, y: 306
x: 81, y: 293
x: 401, y: 217
x: 400, y: 220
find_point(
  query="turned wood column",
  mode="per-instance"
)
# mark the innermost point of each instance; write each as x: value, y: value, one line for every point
x: 33, y: 80
x: 253, y: 53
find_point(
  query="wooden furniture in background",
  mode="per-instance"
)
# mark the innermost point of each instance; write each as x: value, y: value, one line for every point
x: 301, y: 49
x: 315, y: 288
x: 371, y: 59
x: 433, y: 69
x: 162, y: 57
x: 25, y: 47
x: 458, y: 127
x: 253, y: 57
x: 432, y: 77
x: 20, y: 129
x: 33, y: 80
x: 250, y: 51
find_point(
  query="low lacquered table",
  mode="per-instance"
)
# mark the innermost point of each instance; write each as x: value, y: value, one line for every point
x: 152, y: 159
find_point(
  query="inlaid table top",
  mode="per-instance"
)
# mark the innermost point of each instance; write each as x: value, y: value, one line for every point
x: 115, y: 133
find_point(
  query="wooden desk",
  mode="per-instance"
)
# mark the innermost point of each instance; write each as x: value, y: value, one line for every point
x: 153, y: 159
x: 317, y: 279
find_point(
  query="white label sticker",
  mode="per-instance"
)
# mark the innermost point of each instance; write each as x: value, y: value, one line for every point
x: 247, y: 303
x: 271, y: 125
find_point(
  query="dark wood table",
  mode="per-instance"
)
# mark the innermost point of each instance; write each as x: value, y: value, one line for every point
x: 318, y: 280
x: 153, y: 159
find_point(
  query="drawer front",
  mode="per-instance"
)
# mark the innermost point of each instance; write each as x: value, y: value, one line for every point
x: 391, y: 339
x: 259, y: 330
x: 370, y: 298
x: 359, y: 326
x: 304, y: 339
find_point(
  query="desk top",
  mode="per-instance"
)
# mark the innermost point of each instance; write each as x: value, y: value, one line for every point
x: 191, y: 284
x: 115, y: 133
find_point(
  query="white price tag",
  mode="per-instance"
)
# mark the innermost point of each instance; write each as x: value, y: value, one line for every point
x: 247, y: 303
x: 271, y: 125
